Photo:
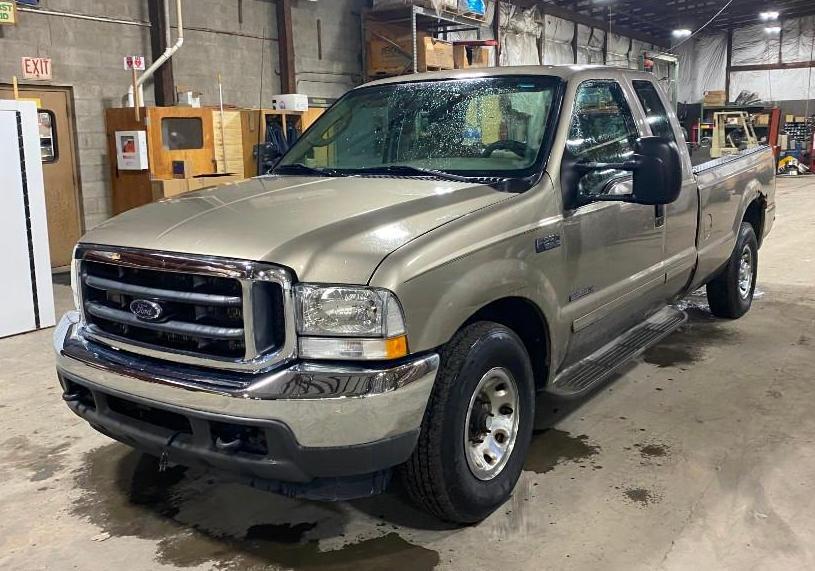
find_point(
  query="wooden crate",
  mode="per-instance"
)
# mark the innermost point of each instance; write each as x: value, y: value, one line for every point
x: 390, y: 51
x: 228, y: 142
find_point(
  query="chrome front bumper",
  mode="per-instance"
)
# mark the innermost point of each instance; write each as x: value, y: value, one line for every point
x: 322, y: 406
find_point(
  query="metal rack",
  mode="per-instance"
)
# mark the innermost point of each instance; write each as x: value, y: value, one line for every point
x: 419, y: 18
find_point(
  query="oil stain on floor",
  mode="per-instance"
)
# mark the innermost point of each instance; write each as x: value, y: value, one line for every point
x: 641, y: 496
x: 197, y: 520
x: 553, y: 447
x: 42, y: 462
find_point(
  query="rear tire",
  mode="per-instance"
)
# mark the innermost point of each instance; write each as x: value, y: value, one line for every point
x: 477, y: 427
x: 730, y: 294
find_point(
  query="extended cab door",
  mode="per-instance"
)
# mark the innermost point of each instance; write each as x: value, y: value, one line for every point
x: 681, y: 217
x: 614, y: 250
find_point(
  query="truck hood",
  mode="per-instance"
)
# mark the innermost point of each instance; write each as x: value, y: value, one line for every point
x: 325, y: 229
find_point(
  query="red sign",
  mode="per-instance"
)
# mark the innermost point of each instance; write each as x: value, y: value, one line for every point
x: 38, y: 68
x: 134, y: 62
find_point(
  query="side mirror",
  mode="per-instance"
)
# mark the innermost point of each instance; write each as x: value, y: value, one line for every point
x: 657, y: 170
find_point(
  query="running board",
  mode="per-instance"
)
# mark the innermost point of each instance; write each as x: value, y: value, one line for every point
x: 582, y: 377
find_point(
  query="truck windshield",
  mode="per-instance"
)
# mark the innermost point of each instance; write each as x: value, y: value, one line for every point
x: 485, y: 127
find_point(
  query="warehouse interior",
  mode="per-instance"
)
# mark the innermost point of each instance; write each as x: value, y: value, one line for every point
x: 697, y: 453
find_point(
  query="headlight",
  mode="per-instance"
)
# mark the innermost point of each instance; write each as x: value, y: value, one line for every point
x: 343, y: 322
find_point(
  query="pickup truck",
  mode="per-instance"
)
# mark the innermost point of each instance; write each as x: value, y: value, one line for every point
x: 434, y: 252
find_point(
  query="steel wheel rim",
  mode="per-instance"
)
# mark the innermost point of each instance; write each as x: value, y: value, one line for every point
x: 491, y: 426
x: 746, y: 272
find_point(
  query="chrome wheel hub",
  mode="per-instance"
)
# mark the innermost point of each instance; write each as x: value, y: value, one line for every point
x: 746, y: 272
x: 491, y: 426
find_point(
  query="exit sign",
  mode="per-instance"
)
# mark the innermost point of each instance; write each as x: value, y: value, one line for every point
x: 37, y: 68
x: 8, y: 13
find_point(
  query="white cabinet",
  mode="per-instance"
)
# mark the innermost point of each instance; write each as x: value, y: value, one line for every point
x: 26, y: 294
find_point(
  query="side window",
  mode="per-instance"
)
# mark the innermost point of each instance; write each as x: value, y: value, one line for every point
x: 655, y: 112
x: 602, y: 131
x: 48, y: 136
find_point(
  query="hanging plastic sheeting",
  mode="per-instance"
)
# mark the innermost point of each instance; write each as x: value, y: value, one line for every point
x: 776, y: 84
x: 590, y: 44
x: 618, y: 50
x: 702, y: 66
x: 520, y: 30
x: 798, y: 40
x: 557, y: 40
x: 753, y: 45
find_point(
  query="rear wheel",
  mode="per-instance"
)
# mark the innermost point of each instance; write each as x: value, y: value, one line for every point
x: 730, y: 294
x: 477, y: 426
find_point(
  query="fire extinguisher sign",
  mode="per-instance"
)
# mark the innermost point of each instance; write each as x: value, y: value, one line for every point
x: 134, y: 63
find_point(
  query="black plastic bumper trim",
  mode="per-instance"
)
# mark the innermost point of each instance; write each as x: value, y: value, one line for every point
x: 286, y: 460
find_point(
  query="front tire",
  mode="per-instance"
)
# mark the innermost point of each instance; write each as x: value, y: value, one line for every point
x: 730, y: 294
x: 477, y: 427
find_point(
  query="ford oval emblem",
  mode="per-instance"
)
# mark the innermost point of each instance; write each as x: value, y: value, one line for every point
x: 146, y: 309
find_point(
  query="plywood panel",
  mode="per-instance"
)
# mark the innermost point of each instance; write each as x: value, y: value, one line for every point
x: 228, y: 142
x: 200, y: 161
x: 129, y: 188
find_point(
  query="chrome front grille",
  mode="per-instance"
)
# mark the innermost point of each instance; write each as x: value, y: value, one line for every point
x: 208, y: 311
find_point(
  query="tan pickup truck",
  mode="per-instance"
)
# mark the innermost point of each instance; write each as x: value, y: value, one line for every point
x: 435, y: 251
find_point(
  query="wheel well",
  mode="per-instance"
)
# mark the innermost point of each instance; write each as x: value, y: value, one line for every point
x: 755, y: 216
x: 528, y: 322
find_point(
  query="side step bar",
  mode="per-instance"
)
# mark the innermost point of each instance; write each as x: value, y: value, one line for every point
x: 579, y: 379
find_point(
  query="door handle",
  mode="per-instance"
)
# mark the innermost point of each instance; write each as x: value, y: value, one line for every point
x: 659, y: 216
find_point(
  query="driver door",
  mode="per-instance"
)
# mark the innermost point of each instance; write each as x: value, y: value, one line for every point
x: 614, y: 250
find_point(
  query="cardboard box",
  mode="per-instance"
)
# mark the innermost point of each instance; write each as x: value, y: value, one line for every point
x: 762, y: 120
x: 460, y: 58
x: 715, y: 98
x: 174, y: 187
x: 435, y: 54
x: 290, y: 102
x: 482, y: 56
x: 789, y: 118
x: 390, y: 52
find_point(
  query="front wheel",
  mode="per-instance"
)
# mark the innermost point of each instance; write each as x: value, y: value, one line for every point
x: 477, y: 426
x: 730, y: 294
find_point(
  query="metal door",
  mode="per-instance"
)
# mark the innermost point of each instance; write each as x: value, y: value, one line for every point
x: 57, y: 140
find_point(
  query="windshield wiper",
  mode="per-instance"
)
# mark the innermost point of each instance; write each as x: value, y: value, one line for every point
x: 407, y: 170
x: 300, y: 168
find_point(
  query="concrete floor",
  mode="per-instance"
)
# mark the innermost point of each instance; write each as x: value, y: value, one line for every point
x: 700, y: 454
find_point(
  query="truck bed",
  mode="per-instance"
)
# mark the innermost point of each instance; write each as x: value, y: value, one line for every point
x: 725, y: 187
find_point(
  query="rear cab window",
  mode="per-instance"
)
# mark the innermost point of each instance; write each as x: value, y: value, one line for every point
x: 655, y: 113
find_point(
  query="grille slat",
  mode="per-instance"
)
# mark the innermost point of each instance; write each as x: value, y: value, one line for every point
x: 165, y: 294
x: 176, y: 327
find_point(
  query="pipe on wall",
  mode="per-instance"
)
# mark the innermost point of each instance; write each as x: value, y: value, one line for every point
x: 168, y: 53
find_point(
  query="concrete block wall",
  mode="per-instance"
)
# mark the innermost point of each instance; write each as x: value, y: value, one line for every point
x: 87, y: 56
x: 340, y: 67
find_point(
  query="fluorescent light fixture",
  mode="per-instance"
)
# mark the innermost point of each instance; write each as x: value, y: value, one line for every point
x: 681, y: 33
x: 773, y: 30
x: 767, y: 16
